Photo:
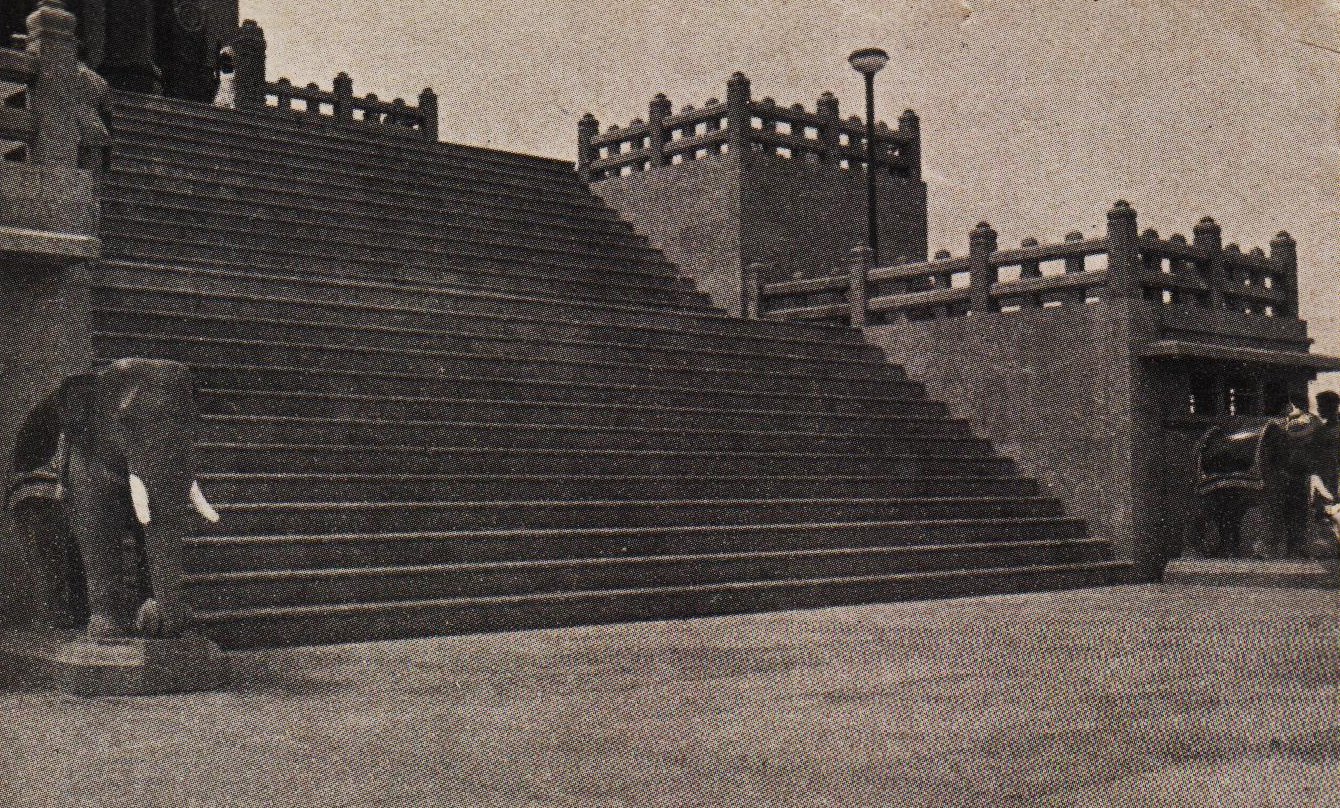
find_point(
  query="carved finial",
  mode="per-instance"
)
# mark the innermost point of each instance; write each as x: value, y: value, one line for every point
x: 636, y: 122
x: 711, y: 102
x: 1150, y: 233
x: 1233, y: 248
x: 285, y: 81
x: 768, y: 101
x: 614, y: 127
x: 942, y: 255
x: 1177, y: 238
x: 1074, y: 235
x: 798, y: 107
x: 1257, y: 252
x: 1282, y: 235
x: 1029, y: 242
x: 1208, y: 221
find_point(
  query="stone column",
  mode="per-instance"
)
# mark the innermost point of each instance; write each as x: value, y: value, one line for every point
x: 657, y: 111
x: 1284, y: 257
x: 981, y: 275
x: 739, y: 116
x: 129, y: 63
x: 249, y: 66
x: 1207, y: 236
x: 1123, y: 255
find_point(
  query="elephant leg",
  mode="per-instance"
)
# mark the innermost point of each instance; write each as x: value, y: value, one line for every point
x: 99, y: 517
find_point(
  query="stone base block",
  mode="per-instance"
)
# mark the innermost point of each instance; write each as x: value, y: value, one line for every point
x: 1300, y: 573
x: 132, y: 666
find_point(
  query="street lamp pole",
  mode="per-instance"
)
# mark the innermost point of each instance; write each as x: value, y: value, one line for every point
x: 868, y: 62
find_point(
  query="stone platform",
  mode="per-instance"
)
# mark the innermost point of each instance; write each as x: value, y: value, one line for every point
x: 1130, y: 697
x: 72, y: 663
x: 1291, y: 573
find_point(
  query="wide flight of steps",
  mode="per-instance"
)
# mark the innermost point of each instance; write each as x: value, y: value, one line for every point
x: 447, y: 390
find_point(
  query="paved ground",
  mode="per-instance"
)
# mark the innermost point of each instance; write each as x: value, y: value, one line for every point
x: 1132, y: 696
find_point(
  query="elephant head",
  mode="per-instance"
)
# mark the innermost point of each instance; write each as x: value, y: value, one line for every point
x: 125, y: 461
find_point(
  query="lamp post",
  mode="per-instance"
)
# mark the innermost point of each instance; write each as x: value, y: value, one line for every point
x: 868, y: 62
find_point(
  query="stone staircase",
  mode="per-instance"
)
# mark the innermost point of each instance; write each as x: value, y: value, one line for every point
x: 448, y: 390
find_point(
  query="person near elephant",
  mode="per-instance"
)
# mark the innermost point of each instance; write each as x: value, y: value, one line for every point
x: 115, y: 448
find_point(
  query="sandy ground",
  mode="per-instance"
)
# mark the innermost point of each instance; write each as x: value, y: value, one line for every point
x: 1129, y: 696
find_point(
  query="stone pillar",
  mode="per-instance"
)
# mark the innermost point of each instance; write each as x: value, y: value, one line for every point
x: 249, y: 68
x: 343, y: 89
x: 739, y: 117
x: 51, y: 38
x: 129, y: 64
x: 657, y: 111
x: 909, y: 126
x: 859, y: 264
x: 428, y: 107
x: 1284, y: 257
x: 1123, y: 258
x: 751, y: 289
x: 1207, y: 236
x: 587, y: 129
x: 831, y: 131
x: 981, y: 275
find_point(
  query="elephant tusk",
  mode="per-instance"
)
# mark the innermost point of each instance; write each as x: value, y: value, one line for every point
x: 139, y: 499
x: 201, y: 504
x: 1317, y: 488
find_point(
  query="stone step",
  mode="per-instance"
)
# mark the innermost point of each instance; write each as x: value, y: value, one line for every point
x: 242, y: 456
x: 316, y: 146
x: 290, y: 487
x: 203, y: 214
x: 553, y: 339
x: 214, y: 145
x: 417, y: 305
x: 209, y: 554
x: 256, y: 245
x: 594, y: 413
x: 529, y: 316
x: 210, y: 351
x: 897, y: 396
x: 376, y: 517
x: 405, y: 284
x: 133, y: 143
x: 172, y: 169
x: 210, y: 194
x: 314, y: 624
x: 278, y: 588
x: 404, y: 145
x: 947, y: 438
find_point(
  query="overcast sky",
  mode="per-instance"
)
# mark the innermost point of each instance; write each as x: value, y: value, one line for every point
x: 1036, y: 114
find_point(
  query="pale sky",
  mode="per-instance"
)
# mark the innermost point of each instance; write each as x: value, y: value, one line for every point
x: 1036, y: 114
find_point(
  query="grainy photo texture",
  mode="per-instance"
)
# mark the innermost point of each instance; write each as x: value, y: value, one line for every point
x: 679, y: 404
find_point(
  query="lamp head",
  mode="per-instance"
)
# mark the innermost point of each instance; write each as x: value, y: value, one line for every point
x: 868, y: 61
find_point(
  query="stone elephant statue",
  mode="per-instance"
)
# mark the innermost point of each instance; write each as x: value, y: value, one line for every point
x: 104, y: 487
x: 1252, y: 487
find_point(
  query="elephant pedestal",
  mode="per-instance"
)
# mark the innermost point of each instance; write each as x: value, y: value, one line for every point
x: 1290, y: 573
x: 132, y: 666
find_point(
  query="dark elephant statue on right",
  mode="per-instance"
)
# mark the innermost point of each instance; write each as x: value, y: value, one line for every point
x: 105, y: 466
x: 1252, y: 486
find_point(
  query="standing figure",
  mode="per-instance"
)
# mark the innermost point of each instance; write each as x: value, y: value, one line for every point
x: 226, y: 95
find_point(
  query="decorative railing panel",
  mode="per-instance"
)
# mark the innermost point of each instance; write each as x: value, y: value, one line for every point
x: 338, y: 103
x: 18, y: 126
x: 742, y: 124
x: 1074, y: 272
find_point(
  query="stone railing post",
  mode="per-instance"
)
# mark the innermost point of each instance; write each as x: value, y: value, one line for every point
x: 587, y: 129
x: 751, y: 288
x: 55, y: 91
x: 1123, y: 258
x: 1284, y: 258
x: 831, y: 131
x: 1207, y: 236
x: 981, y: 274
x: 428, y: 109
x: 343, y: 90
x: 909, y: 126
x: 657, y: 111
x: 859, y: 263
x: 249, y: 66
x: 739, y: 116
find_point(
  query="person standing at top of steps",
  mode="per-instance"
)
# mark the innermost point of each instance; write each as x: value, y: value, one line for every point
x: 226, y: 95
